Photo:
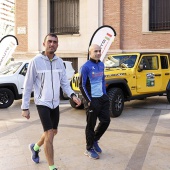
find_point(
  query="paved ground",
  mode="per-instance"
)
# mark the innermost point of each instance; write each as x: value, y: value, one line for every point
x: 138, y: 140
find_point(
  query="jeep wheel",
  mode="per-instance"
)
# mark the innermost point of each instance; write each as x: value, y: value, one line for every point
x: 116, y: 99
x: 168, y: 95
x: 6, y: 98
x: 74, y: 105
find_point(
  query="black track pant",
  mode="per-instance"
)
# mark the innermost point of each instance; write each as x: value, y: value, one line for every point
x: 99, y: 108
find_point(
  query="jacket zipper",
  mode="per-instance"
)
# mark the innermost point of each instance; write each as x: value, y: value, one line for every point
x: 52, y: 83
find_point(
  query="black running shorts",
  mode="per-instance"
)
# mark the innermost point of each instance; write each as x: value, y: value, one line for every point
x: 49, y: 117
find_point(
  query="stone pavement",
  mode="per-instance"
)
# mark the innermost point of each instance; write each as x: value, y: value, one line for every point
x: 137, y: 140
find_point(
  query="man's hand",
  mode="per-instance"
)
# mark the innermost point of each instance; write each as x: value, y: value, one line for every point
x: 26, y: 114
x: 76, y: 100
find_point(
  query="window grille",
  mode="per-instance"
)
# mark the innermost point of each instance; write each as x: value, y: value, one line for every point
x: 159, y: 15
x: 64, y: 16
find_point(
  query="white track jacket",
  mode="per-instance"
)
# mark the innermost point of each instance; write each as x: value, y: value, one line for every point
x: 45, y: 77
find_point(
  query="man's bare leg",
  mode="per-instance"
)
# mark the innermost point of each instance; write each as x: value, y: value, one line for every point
x: 41, y: 141
x: 48, y: 145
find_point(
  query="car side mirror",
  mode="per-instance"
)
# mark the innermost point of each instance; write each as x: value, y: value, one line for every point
x: 140, y: 67
x: 24, y: 72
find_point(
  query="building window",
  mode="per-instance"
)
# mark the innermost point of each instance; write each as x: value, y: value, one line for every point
x: 64, y: 16
x: 159, y: 15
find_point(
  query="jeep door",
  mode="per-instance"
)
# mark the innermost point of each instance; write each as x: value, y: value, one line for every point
x: 149, y: 76
x: 164, y: 60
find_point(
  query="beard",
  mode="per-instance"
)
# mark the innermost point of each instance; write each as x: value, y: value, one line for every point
x: 51, y: 51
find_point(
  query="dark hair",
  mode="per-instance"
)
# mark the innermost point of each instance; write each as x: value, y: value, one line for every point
x: 51, y: 35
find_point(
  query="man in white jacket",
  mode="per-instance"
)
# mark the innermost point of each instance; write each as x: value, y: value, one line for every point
x: 46, y: 73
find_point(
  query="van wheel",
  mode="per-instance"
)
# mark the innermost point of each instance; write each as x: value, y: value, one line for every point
x: 6, y: 98
x: 116, y: 99
x: 74, y: 105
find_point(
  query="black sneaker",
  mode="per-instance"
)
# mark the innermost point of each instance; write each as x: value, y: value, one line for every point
x: 35, y: 157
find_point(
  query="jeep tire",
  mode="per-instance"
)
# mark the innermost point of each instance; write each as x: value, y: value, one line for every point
x: 6, y: 97
x: 116, y: 99
x: 168, y: 95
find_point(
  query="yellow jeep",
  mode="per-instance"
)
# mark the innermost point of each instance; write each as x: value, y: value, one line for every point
x: 132, y: 76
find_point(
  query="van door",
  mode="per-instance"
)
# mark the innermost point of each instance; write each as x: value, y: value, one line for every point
x: 21, y: 78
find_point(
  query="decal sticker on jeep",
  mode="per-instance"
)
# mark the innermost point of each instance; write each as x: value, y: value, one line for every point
x: 150, y: 80
x: 118, y: 74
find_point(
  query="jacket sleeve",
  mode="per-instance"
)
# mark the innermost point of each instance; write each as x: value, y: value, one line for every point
x: 28, y: 85
x: 104, y: 84
x: 83, y: 83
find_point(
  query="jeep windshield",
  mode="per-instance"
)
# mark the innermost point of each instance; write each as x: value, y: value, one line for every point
x: 121, y: 61
x: 10, y: 69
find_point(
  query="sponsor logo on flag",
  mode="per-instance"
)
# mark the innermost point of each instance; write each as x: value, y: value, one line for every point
x: 104, y: 37
x: 7, y: 46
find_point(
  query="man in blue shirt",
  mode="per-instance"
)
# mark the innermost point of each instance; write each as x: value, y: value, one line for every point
x: 93, y: 89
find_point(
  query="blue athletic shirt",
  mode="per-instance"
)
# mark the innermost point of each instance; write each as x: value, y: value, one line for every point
x: 92, y: 79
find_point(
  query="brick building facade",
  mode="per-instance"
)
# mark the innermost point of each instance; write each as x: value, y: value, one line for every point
x: 21, y: 19
x: 130, y: 20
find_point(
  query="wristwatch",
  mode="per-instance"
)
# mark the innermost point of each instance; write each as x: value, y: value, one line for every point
x: 71, y: 96
x: 24, y: 109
